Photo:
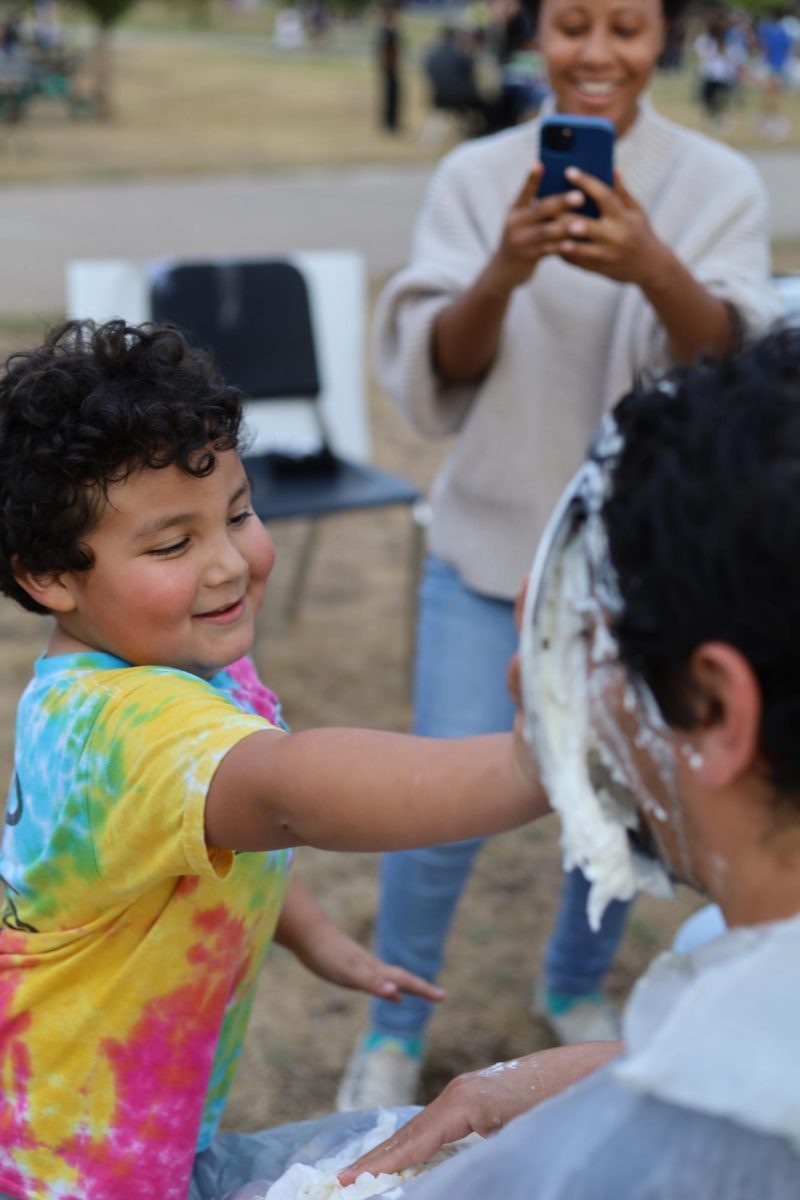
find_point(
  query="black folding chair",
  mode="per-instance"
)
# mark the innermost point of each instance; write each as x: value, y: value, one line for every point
x: 256, y: 318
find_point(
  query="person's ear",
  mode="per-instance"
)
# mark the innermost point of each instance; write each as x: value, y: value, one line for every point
x: 51, y: 589
x: 726, y: 699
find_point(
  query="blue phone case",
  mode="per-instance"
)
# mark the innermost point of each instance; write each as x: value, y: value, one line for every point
x: 570, y: 141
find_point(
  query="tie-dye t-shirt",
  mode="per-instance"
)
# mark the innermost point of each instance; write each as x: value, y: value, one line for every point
x: 129, y: 950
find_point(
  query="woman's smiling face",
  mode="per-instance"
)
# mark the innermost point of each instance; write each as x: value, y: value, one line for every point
x: 600, y: 54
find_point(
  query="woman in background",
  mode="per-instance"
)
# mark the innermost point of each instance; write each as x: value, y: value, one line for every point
x: 517, y: 323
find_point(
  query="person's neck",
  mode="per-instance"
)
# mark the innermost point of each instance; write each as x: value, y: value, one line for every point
x: 62, y: 641
x: 758, y: 880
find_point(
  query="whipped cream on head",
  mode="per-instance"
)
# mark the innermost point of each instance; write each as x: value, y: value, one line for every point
x: 603, y: 749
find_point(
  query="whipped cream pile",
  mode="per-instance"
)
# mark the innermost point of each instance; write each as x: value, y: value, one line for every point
x: 588, y: 726
x: 319, y: 1182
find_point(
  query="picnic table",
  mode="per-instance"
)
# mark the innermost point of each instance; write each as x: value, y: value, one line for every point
x: 25, y: 77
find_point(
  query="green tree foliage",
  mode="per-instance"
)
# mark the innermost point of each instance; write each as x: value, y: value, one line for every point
x: 106, y: 13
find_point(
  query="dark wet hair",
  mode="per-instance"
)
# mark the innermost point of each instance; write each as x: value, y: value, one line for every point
x: 89, y: 407
x: 704, y: 533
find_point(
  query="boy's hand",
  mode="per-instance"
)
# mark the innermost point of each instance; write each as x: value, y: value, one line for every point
x: 335, y: 956
x: 307, y: 930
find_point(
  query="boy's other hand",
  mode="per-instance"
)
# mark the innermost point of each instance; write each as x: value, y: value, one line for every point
x: 307, y: 930
x: 335, y: 956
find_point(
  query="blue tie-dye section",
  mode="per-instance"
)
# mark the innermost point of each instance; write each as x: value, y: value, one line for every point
x: 252, y: 697
x: 47, y: 842
x: 211, y: 937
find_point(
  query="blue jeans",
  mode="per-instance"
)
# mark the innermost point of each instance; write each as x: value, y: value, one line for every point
x: 465, y: 641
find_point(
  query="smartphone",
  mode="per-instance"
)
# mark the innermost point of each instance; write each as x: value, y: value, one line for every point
x: 583, y: 142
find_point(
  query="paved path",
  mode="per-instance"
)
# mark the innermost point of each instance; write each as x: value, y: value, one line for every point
x: 371, y: 210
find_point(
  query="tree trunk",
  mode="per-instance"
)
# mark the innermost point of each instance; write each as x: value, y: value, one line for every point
x: 103, y: 72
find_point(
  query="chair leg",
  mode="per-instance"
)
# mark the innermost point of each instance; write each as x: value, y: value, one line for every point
x: 300, y: 575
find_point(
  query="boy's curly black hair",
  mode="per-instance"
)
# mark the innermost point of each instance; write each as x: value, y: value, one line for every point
x: 89, y: 407
x: 704, y: 533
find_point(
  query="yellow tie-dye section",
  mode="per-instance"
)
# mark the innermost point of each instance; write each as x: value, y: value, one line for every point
x: 125, y: 988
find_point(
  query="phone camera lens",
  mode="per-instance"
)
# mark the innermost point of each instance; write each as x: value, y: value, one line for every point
x: 558, y: 138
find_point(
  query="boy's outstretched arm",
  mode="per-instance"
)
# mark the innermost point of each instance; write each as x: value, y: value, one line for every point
x: 306, y: 929
x: 358, y: 789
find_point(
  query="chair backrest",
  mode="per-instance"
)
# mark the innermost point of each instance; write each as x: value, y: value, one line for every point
x: 254, y: 316
x: 332, y: 320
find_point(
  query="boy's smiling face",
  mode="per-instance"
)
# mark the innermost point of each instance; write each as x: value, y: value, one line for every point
x: 179, y: 572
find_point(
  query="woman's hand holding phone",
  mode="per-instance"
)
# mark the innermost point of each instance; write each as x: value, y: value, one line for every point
x: 533, y: 229
x: 620, y: 243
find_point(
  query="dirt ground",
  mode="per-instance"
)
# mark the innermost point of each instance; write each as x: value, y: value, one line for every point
x: 346, y: 662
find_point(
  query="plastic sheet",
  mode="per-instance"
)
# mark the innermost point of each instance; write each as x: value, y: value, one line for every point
x: 239, y: 1166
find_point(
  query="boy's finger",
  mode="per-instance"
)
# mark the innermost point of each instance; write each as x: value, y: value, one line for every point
x: 414, y: 985
x: 384, y: 980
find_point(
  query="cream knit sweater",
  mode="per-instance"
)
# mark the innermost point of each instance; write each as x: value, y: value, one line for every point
x: 572, y: 342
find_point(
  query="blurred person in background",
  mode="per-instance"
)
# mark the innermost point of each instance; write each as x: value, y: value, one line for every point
x: 775, y: 43
x: 510, y: 34
x: 719, y: 64
x: 450, y: 69
x: 388, y: 47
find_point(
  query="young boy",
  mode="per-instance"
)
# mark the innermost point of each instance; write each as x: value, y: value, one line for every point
x: 155, y: 796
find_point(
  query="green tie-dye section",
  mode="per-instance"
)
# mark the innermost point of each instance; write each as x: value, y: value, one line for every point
x: 124, y: 933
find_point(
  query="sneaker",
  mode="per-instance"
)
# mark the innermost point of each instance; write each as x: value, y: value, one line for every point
x: 383, y: 1072
x: 575, y: 1019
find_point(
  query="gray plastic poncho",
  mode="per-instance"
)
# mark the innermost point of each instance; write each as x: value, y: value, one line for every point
x: 704, y: 1105
x: 239, y: 1166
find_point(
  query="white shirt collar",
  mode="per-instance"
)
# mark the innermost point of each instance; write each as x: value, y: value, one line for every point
x: 718, y: 1030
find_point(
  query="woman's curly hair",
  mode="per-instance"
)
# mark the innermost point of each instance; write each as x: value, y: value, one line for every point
x: 88, y: 408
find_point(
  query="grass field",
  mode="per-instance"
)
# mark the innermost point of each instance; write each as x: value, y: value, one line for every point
x: 224, y: 100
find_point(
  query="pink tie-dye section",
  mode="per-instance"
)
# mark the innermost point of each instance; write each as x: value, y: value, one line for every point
x: 15, y: 1127
x: 250, y: 693
x: 161, y: 1076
